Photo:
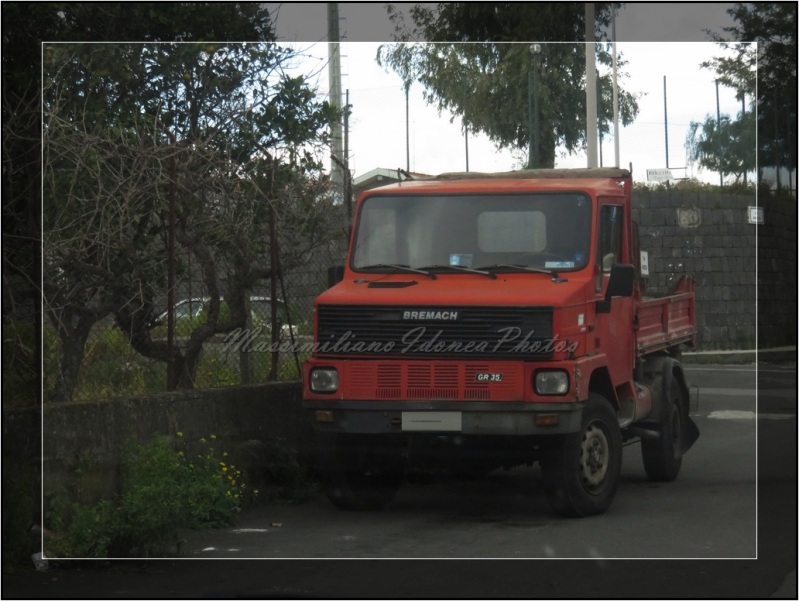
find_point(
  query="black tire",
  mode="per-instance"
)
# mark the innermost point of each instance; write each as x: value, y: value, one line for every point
x: 663, y: 456
x: 360, y: 472
x: 581, y: 471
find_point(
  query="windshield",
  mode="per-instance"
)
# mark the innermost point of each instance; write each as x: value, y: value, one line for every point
x: 543, y: 231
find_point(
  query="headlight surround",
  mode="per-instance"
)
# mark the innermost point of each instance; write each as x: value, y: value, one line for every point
x: 552, y: 382
x: 324, y: 380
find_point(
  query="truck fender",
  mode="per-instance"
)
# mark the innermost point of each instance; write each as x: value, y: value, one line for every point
x: 660, y: 374
x: 600, y: 383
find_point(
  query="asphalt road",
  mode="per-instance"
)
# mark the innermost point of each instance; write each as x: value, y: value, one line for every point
x: 725, y: 529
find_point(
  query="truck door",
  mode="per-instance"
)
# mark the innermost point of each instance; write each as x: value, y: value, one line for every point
x: 615, y: 336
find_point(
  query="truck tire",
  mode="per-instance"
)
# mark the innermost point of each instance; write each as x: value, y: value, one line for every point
x: 663, y: 456
x: 360, y: 472
x: 581, y: 471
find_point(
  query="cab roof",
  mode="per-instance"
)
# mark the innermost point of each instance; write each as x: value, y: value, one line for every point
x: 602, y: 180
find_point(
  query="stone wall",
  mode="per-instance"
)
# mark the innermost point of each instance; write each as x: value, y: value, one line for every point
x: 736, y: 264
x: 77, y: 448
x: 776, y: 277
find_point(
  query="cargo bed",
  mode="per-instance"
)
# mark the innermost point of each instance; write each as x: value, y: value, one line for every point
x: 667, y: 321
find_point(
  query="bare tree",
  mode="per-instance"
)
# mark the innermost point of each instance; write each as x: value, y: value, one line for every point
x: 214, y: 141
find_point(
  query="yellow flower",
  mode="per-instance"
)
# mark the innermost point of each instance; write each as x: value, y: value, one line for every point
x: 180, y: 434
x: 213, y: 436
x: 202, y: 440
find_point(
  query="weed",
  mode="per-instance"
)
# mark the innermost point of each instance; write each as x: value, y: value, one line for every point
x: 166, y: 489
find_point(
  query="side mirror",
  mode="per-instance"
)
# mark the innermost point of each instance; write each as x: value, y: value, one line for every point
x: 622, y: 278
x: 334, y: 275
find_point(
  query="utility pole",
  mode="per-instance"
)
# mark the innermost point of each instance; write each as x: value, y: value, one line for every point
x: 666, y: 121
x: 407, y: 127
x: 466, y: 139
x: 347, y: 174
x: 534, y: 154
x: 590, y: 85
x: 743, y: 117
x: 615, y: 96
x: 718, y: 128
x: 334, y: 75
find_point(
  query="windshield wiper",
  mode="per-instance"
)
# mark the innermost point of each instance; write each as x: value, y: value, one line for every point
x: 398, y: 267
x: 554, y: 274
x: 462, y: 268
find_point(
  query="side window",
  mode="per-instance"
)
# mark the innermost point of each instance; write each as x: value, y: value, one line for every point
x: 610, y: 238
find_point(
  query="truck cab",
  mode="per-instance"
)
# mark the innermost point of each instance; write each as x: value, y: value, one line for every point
x: 488, y: 320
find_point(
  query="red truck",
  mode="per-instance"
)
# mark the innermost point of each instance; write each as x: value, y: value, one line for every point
x: 490, y: 320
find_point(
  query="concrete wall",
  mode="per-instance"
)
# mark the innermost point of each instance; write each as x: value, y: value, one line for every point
x: 82, y: 446
x: 736, y: 264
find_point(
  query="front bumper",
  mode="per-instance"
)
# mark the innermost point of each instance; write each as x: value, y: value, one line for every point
x: 444, y: 417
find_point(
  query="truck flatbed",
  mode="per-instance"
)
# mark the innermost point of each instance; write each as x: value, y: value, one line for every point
x: 667, y: 321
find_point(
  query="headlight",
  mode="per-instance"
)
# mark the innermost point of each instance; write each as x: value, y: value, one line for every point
x: 324, y: 379
x: 551, y: 382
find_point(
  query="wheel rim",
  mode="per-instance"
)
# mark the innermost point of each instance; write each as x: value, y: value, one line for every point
x: 594, y: 457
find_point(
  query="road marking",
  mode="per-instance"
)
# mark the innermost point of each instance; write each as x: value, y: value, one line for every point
x: 728, y: 414
x: 747, y: 415
x: 717, y: 368
x: 728, y: 391
x: 750, y: 392
x: 753, y: 370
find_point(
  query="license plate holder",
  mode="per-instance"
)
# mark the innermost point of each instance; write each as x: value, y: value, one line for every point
x: 432, y: 421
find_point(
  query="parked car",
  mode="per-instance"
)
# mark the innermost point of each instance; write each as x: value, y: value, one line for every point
x: 191, y: 310
x: 261, y: 315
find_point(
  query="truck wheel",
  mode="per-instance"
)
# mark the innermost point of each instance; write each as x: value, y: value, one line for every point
x: 359, y: 472
x: 581, y: 471
x: 663, y: 456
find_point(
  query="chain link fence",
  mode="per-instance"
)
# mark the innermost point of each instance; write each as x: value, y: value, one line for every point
x: 111, y: 367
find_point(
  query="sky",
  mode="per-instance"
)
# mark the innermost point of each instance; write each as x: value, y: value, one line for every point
x: 658, y: 41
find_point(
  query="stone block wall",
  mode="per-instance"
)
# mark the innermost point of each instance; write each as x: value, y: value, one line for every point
x: 743, y: 271
x: 776, y: 276
x: 76, y: 449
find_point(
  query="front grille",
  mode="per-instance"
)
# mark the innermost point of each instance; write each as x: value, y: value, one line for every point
x: 479, y: 332
x: 432, y: 380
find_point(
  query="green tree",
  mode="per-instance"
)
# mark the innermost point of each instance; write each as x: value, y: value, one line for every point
x: 486, y: 84
x: 721, y: 143
x: 217, y: 133
x: 22, y: 132
x: 726, y: 146
x: 763, y: 68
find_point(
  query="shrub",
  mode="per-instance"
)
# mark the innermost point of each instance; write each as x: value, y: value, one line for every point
x: 165, y: 490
